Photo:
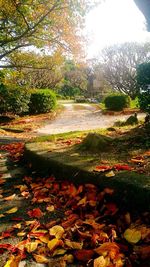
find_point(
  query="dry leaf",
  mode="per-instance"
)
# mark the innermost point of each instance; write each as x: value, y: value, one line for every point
x: 73, y: 245
x: 133, y: 236
x: 13, y: 210
x: 101, y: 262
x: 10, y: 197
x: 13, y: 261
x: 57, y: 231
x: 32, y: 246
x: 110, y: 174
x: 40, y: 258
x: 54, y: 243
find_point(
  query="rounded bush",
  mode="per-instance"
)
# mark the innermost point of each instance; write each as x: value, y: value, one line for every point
x: 42, y: 101
x: 14, y: 99
x: 117, y: 102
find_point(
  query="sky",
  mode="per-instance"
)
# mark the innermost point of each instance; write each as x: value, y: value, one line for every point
x: 114, y: 21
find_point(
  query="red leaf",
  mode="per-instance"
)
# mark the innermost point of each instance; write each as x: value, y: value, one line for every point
x: 120, y: 167
x: 37, y: 213
x: 84, y: 254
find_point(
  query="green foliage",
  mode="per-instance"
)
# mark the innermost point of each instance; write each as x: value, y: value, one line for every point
x: 143, y: 79
x: 144, y: 101
x: 69, y: 91
x: 143, y: 75
x: 14, y: 99
x: 42, y: 101
x: 117, y: 102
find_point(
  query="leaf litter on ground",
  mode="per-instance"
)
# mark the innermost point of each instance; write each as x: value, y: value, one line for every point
x: 87, y: 227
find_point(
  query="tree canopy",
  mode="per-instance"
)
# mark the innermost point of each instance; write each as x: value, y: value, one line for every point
x: 119, y: 64
x: 50, y: 24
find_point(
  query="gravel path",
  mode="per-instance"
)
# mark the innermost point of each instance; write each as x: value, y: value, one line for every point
x: 79, y: 117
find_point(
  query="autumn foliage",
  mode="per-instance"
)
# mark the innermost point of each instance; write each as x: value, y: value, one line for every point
x: 72, y: 224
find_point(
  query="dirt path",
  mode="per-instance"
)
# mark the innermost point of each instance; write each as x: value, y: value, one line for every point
x: 79, y: 117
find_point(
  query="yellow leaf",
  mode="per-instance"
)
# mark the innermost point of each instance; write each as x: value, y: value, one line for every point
x: 132, y: 235
x: 82, y: 201
x: 101, y: 262
x: 2, y: 215
x: 44, y: 239
x: 73, y: 245
x: 57, y: 231
x: 13, y: 261
x: 52, y: 244
x: 13, y: 210
x: 60, y: 251
x: 110, y: 174
x: 32, y: 246
x: 17, y: 226
x: 69, y: 258
x: 21, y: 234
x: 40, y: 258
x: 50, y: 208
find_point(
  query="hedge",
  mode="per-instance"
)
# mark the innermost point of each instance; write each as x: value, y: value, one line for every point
x: 42, y: 101
x: 117, y: 102
x: 14, y: 99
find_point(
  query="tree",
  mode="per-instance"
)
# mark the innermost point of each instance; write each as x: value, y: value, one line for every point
x: 143, y: 79
x: 50, y: 24
x: 75, y: 79
x: 119, y: 64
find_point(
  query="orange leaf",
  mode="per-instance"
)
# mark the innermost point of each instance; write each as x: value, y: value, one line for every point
x: 106, y: 248
x: 102, y: 168
x: 10, y: 197
x: 13, y: 261
x: 40, y: 258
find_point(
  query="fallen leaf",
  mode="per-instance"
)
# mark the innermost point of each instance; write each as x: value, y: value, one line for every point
x: 13, y: 210
x: 84, y: 254
x: 101, y: 262
x: 54, y: 243
x: 40, y: 258
x: 106, y: 248
x: 32, y: 246
x: 102, y: 168
x: 13, y: 261
x: 57, y: 231
x: 110, y: 174
x: 120, y: 167
x: 37, y: 213
x: 10, y: 197
x: 73, y: 245
x: 50, y: 208
x: 133, y: 236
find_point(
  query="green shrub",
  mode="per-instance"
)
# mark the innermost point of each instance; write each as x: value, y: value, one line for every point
x: 117, y: 102
x: 144, y: 101
x: 14, y: 99
x: 42, y: 101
